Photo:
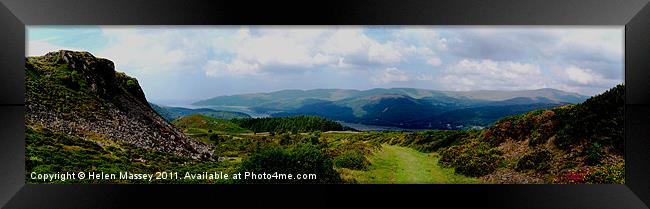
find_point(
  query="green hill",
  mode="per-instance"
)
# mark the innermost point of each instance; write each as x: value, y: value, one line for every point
x: 580, y: 143
x: 293, y: 124
x: 172, y: 113
x: 204, y: 124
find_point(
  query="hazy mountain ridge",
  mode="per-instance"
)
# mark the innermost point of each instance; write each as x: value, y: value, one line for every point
x: 402, y: 107
x: 172, y: 113
x: 339, y: 94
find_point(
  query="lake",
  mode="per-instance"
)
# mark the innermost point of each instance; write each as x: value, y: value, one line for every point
x: 366, y: 127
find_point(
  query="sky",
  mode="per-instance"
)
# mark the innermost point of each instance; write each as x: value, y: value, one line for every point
x: 183, y: 64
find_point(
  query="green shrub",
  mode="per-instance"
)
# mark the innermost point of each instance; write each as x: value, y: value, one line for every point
x: 598, y: 119
x: 300, y: 159
x: 131, y: 83
x: 472, y: 159
x: 594, y: 153
x: 285, y: 139
x: 351, y: 159
x: 564, y: 138
x: 543, y: 132
x: 216, y: 138
x: 314, y: 137
x: 537, y: 160
x: 609, y: 174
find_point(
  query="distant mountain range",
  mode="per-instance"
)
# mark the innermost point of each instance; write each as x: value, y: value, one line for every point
x: 172, y: 113
x: 401, y: 107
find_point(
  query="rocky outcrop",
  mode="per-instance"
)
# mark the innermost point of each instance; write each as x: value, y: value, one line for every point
x: 79, y: 94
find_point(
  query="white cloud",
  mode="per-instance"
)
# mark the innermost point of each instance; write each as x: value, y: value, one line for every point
x: 469, y: 74
x: 346, y: 41
x: 608, y: 40
x: 434, y: 61
x: 303, y: 49
x: 214, y: 68
x: 583, y: 76
x: 422, y: 37
x: 275, y: 47
x: 40, y: 48
x: 425, y: 77
x: 384, y: 53
x: 151, y: 51
x: 466, y: 58
x: 389, y: 75
x: 489, y: 67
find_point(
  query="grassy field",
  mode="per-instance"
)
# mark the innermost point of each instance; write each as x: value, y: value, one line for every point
x: 400, y: 165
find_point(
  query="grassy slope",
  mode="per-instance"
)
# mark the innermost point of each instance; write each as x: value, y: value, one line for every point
x: 201, y: 124
x: 52, y: 152
x: 394, y: 164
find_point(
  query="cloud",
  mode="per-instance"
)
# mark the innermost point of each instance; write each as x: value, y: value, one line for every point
x: 498, y: 43
x: 299, y: 50
x: 605, y: 40
x: 215, y: 68
x: 557, y: 45
x: 384, y: 53
x: 489, y: 74
x: 150, y: 51
x: 280, y: 49
x: 422, y: 37
x: 346, y: 41
x: 277, y: 47
x: 434, y: 61
x: 583, y: 76
x: 587, y: 60
x: 40, y: 48
x: 508, y: 70
x: 389, y: 75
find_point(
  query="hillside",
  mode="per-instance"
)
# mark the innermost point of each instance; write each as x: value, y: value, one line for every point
x: 410, y: 113
x: 80, y: 95
x: 172, y: 113
x: 295, y: 124
x: 204, y: 124
x: 580, y: 143
x: 400, y: 107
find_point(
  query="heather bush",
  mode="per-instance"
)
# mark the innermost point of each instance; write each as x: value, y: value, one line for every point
x: 594, y: 153
x: 608, y: 174
x: 472, y: 159
x: 537, y: 160
x: 351, y: 159
x: 302, y: 158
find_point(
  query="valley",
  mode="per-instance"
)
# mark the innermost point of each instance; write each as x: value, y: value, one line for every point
x: 404, y: 108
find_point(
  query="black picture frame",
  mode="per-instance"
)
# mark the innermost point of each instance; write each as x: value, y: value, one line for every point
x: 16, y: 14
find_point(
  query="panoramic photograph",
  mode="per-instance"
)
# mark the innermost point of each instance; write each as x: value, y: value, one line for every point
x: 324, y: 105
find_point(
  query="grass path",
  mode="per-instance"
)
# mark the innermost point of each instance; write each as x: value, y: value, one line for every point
x: 401, y: 165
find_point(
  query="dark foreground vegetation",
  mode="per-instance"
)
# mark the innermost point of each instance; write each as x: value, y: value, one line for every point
x: 580, y: 143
